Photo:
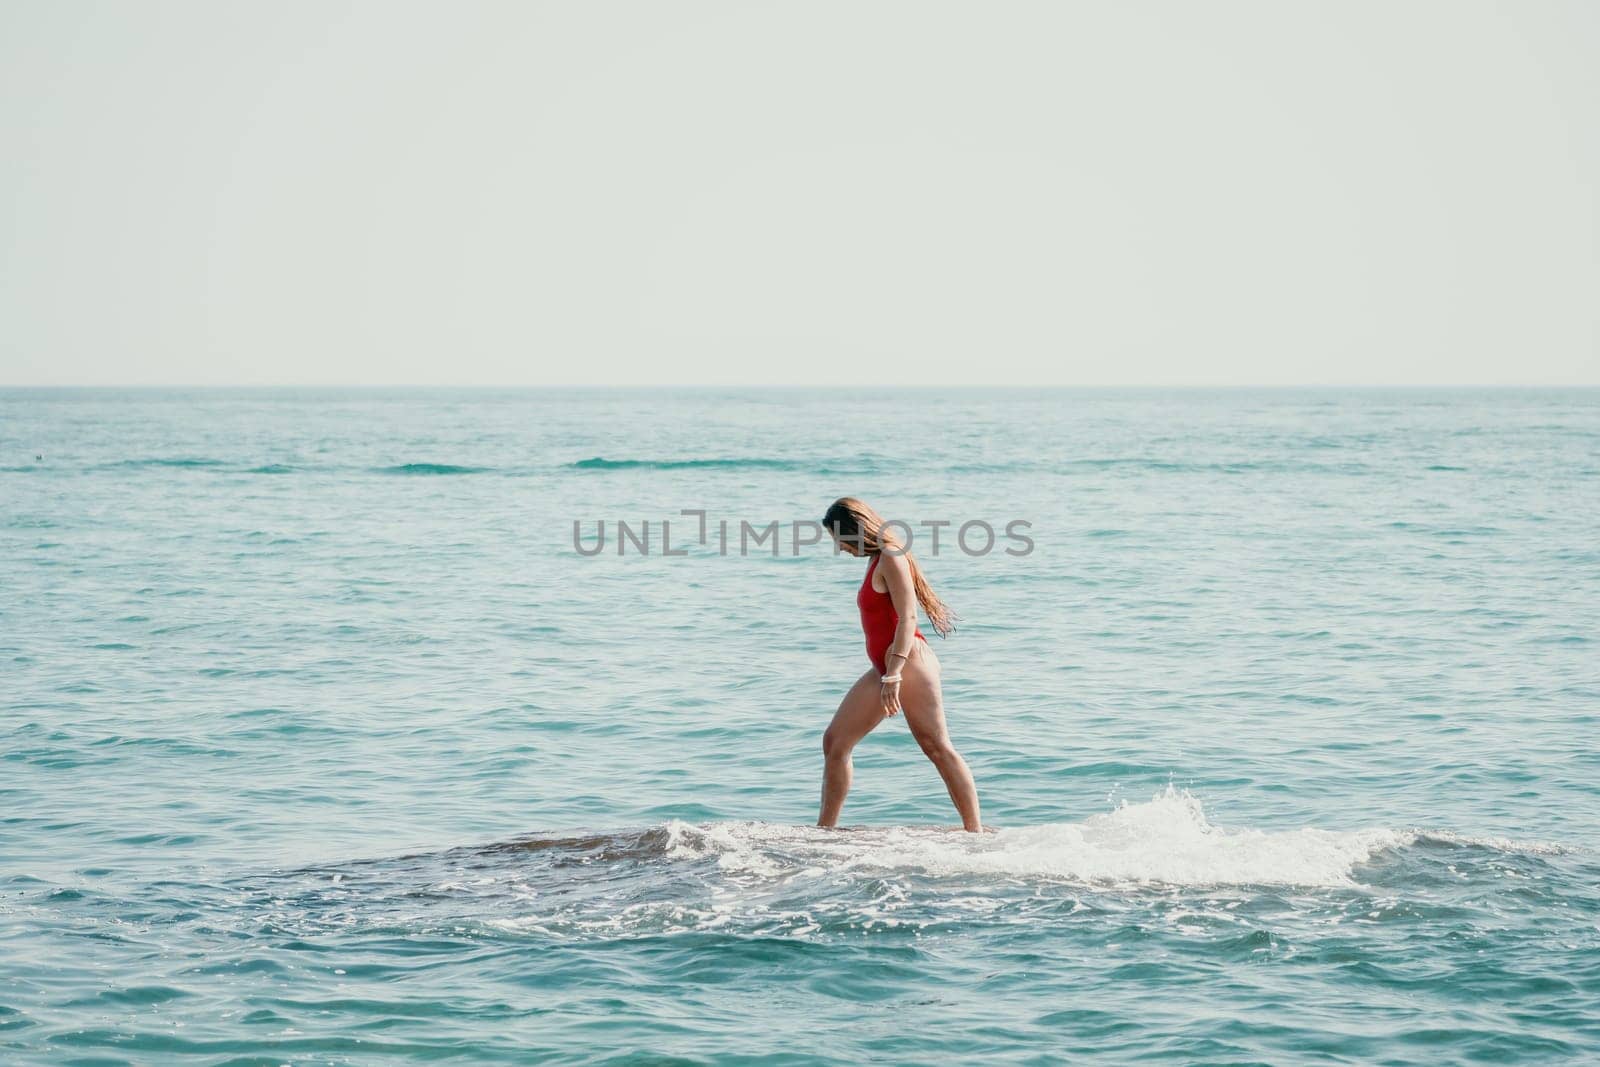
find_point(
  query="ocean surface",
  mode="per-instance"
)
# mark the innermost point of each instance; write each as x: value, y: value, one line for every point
x: 322, y: 741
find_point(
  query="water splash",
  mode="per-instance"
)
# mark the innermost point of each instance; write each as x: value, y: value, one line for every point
x: 1165, y: 840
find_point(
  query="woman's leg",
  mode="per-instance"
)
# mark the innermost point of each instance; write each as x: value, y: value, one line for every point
x: 923, y: 701
x: 858, y: 713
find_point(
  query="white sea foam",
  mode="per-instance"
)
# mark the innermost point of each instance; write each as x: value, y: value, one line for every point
x: 1166, y: 840
x: 1499, y: 844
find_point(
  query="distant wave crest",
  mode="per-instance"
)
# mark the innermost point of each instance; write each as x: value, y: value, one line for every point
x: 177, y: 461
x: 431, y: 468
x: 598, y: 463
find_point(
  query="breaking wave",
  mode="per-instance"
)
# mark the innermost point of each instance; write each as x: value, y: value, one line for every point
x: 1166, y: 840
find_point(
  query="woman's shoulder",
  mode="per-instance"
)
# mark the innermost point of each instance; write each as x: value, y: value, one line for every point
x: 893, y: 563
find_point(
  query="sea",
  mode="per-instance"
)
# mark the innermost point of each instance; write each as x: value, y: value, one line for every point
x: 355, y: 726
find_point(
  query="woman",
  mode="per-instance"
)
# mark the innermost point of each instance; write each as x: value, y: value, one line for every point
x: 905, y: 672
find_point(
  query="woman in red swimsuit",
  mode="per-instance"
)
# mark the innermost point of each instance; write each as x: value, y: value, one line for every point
x: 905, y: 672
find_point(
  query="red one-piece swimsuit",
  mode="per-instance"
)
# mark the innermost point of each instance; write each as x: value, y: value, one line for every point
x: 879, y: 620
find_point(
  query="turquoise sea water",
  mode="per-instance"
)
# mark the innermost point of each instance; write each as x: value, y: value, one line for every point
x: 321, y: 743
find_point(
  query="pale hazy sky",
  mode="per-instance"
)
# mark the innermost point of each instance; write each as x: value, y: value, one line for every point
x: 805, y: 193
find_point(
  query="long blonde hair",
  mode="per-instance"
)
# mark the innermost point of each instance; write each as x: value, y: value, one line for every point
x: 852, y: 520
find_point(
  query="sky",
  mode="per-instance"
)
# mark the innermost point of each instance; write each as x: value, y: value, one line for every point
x: 821, y: 193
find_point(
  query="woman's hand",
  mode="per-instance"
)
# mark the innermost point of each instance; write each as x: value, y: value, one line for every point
x: 889, y: 693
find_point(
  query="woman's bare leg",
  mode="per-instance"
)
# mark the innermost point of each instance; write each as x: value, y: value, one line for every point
x: 923, y: 701
x: 858, y: 713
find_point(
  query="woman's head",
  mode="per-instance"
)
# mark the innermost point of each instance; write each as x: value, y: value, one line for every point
x: 860, y: 531
x: 855, y: 527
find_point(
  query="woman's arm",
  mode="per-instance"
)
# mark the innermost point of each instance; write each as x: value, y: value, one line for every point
x: 896, y: 573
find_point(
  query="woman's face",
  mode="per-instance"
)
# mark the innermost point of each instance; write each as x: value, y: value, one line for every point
x: 849, y: 546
